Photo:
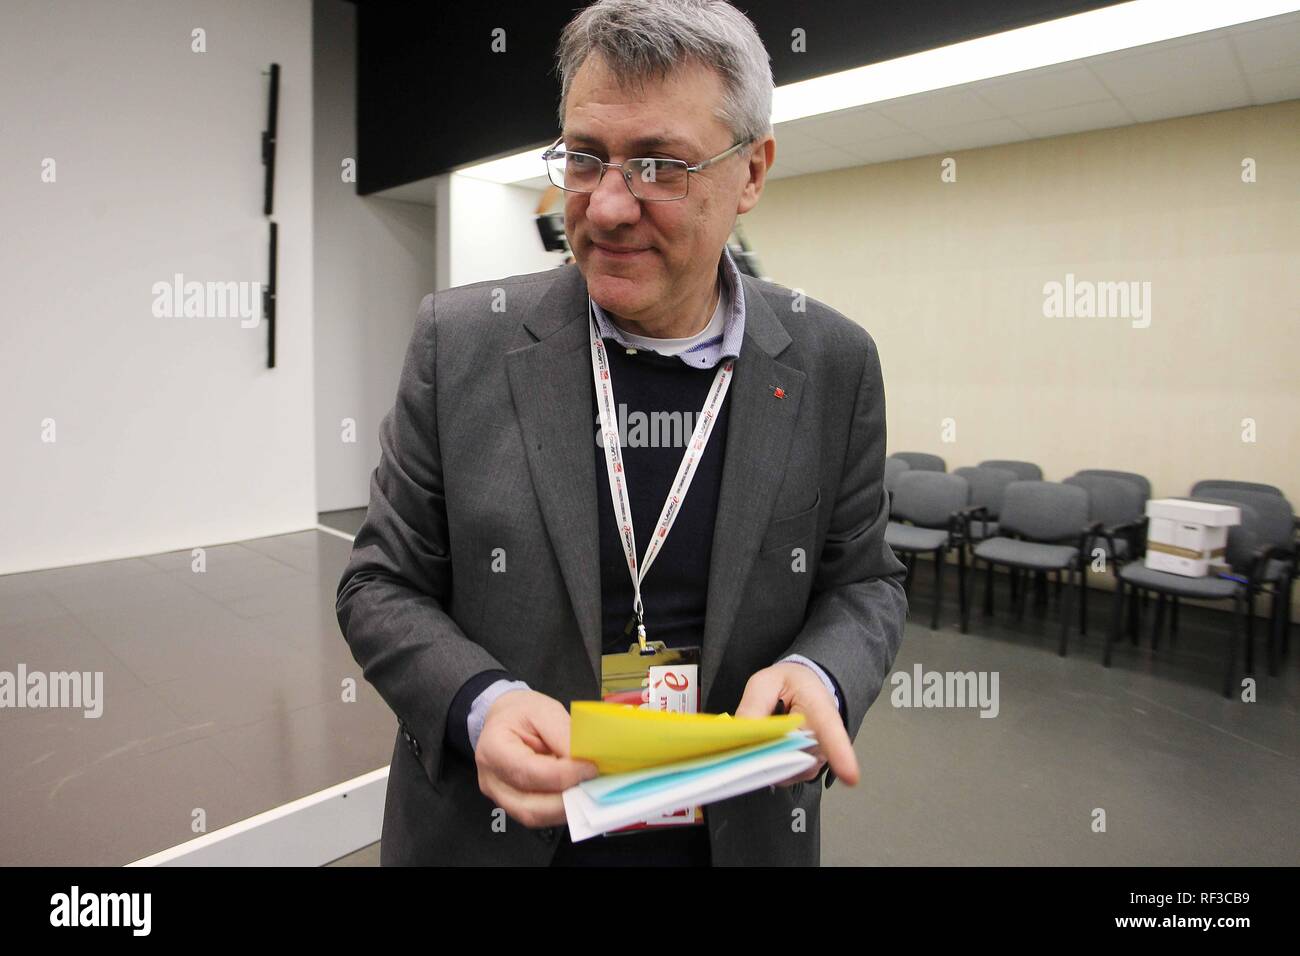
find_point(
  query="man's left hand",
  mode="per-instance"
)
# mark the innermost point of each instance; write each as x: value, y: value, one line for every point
x: 802, y: 691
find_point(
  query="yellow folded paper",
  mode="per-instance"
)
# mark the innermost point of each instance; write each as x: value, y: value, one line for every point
x: 618, y: 738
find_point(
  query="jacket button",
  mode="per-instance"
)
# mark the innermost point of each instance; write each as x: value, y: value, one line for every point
x: 547, y: 833
x: 415, y: 746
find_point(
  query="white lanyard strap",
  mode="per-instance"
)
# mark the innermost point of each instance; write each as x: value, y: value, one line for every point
x: 617, y: 475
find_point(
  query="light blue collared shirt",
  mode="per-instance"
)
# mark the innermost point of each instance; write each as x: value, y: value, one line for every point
x: 710, y: 349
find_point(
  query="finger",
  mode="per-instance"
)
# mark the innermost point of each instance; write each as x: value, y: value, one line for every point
x: 832, y: 739
x: 515, y: 762
x: 761, y: 694
x: 533, y: 810
x: 804, y: 777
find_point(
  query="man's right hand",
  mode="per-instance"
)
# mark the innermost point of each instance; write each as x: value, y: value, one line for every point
x: 523, y: 758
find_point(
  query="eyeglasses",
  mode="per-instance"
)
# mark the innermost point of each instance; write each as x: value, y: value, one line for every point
x: 648, y: 178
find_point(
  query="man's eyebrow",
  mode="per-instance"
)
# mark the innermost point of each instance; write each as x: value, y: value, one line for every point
x: 653, y: 141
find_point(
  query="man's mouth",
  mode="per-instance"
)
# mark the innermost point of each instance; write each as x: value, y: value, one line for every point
x: 619, y: 252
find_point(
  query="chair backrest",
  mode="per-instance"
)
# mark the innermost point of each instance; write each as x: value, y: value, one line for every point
x: 928, y: 498
x: 893, y: 468
x: 987, y: 485
x: 921, y: 461
x: 1024, y: 470
x: 1044, y: 510
x: 1112, y: 501
x: 1142, y: 482
x: 1212, y: 486
x: 1273, y: 521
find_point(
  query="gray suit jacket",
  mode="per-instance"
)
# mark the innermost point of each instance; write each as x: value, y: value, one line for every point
x: 488, y: 453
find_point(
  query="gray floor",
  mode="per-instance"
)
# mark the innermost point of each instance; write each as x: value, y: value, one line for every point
x: 222, y: 693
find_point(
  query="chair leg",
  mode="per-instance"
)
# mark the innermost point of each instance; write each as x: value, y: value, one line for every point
x: 1275, y: 627
x: 1232, y: 645
x: 1117, y: 621
x: 1014, y: 579
x: 963, y: 603
x: 1083, y: 600
x: 1286, y: 620
x: 988, y: 588
x: 910, y: 561
x: 1023, y: 592
x: 939, y: 557
x: 1139, y: 604
x: 1158, y: 622
x: 1065, y: 610
x: 1173, y: 621
x: 1250, y: 632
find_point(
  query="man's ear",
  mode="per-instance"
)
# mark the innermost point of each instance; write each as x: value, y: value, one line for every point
x: 761, y: 157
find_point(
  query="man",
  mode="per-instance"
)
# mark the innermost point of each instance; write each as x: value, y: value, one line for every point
x: 490, y: 574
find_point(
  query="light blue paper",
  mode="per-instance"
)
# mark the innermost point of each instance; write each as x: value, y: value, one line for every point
x: 618, y: 787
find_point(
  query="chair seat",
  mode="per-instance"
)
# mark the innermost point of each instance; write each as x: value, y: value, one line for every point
x: 1026, y: 554
x: 980, y: 530
x: 1208, y: 588
x: 907, y: 537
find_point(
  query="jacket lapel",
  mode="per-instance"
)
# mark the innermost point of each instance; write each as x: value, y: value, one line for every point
x: 550, y: 384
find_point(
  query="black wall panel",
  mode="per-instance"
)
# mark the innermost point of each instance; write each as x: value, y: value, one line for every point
x: 432, y: 94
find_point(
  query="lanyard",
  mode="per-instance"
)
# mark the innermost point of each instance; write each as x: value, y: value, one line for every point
x: 600, y: 371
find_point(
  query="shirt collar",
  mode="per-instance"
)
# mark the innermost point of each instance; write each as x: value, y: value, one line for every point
x: 709, y: 353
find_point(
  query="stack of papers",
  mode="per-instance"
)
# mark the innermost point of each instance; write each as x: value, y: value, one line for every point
x: 652, y: 762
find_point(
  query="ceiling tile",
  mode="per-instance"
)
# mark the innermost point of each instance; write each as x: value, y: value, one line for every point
x: 1038, y: 90
x: 1272, y: 47
x: 1275, y: 85
x: 1208, y: 64
x: 1074, y: 119
x: 1180, y: 101
x: 928, y: 111
x: 861, y: 125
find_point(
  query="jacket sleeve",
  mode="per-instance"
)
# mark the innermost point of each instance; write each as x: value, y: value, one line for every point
x: 392, y: 597
x: 858, y: 607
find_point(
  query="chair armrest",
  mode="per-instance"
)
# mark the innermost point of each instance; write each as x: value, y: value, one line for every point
x: 1262, y: 556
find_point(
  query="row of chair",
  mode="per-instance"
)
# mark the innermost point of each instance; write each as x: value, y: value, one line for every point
x: 1003, y: 513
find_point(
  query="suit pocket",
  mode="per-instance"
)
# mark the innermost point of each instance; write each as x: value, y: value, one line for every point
x: 791, y: 529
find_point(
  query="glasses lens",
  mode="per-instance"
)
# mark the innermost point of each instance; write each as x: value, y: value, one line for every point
x: 574, y: 171
x: 657, y: 178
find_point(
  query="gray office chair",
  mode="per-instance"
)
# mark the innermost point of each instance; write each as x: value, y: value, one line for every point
x: 1024, y: 470
x: 1141, y: 481
x: 1275, y: 536
x: 893, y: 468
x: 921, y: 461
x: 1211, y: 486
x: 1114, y: 505
x: 987, y: 485
x: 933, y: 503
x: 1248, y: 561
x: 1044, y: 526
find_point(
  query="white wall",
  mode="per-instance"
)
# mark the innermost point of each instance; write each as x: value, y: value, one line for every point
x: 374, y: 262
x: 171, y: 432
x: 487, y: 231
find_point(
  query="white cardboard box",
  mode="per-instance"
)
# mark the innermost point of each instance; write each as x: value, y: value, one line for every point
x: 1188, y: 537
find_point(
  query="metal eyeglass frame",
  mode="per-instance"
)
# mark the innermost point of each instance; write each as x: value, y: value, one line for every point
x: 552, y: 152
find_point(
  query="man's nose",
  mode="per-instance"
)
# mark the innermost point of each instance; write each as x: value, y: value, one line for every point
x: 612, y: 203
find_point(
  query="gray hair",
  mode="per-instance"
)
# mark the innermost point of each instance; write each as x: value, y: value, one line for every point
x: 644, y: 39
